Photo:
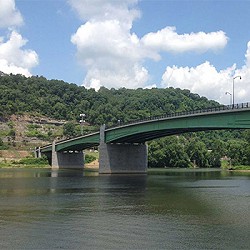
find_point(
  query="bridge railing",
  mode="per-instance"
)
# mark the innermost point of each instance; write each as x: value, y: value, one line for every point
x: 185, y: 113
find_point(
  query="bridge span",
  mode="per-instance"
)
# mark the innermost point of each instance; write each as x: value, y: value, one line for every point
x: 123, y: 149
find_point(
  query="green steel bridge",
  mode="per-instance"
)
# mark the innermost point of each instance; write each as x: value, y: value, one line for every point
x: 139, y: 132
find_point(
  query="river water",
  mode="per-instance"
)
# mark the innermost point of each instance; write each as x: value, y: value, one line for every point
x: 70, y: 209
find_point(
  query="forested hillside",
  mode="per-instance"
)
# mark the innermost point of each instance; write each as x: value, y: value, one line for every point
x: 60, y: 100
x: 39, y: 97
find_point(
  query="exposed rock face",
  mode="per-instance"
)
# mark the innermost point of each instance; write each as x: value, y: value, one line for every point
x: 21, y: 126
x: 13, y: 154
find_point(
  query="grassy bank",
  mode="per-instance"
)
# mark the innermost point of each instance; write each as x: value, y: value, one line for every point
x: 240, y: 168
x: 27, y: 162
x: 25, y: 159
x: 226, y: 165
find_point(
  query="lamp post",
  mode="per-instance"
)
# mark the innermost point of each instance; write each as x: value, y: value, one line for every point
x: 227, y: 93
x: 82, y: 116
x: 233, y: 86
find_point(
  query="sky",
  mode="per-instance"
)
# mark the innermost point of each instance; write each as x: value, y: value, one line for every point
x: 201, y: 45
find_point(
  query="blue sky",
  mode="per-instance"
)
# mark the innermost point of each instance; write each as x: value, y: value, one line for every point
x: 195, y: 45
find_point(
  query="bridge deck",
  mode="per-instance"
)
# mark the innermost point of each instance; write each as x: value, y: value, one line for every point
x: 221, y: 117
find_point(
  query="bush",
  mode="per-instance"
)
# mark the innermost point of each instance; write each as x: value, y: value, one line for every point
x: 34, y: 161
x: 36, y: 133
x: 2, y: 145
x: 89, y: 158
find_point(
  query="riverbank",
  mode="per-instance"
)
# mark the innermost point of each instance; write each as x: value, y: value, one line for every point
x: 239, y: 170
x: 24, y: 159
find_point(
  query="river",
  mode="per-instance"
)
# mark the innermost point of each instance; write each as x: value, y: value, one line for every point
x: 73, y: 209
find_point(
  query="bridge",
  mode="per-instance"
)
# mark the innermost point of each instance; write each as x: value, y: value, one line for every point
x: 123, y: 149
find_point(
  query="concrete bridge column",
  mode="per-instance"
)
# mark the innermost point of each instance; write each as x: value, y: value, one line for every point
x: 37, y: 152
x: 117, y: 158
x: 66, y: 159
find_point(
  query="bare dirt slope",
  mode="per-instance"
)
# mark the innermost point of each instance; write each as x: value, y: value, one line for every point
x: 7, y: 155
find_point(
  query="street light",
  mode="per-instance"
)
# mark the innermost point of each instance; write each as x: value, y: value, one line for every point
x: 227, y: 93
x: 233, y: 86
x: 82, y: 116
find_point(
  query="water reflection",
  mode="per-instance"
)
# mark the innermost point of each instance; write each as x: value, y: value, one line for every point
x: 73, y: 173
x: 189, y: 173
x: 69, y: 209
x: 24, y: 173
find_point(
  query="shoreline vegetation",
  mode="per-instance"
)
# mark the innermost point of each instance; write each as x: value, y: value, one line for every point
x: 31, y: 162
x: 25, y: 159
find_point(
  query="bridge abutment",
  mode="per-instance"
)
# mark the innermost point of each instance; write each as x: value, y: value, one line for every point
x: 66, y: 159
x: 121, y: 158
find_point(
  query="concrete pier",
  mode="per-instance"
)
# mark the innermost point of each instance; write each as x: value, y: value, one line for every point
x: 37, y: 152
x: 66, y: 159
x: 122, y: 158
x: 117, y: 158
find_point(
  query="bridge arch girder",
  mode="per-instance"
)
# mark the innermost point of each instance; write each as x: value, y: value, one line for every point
x: 141, y: 132
x: 146, y: 131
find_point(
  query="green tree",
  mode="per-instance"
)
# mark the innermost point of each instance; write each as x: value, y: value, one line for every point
x: 168, y: 152
x: 156, y: 156
x: 218, y: 150
x: 197, y: 153
x: 214, y: 159
x: 176, y: 156
x: 69, y: 129
x: 237, y: 151
x: 246, y: 135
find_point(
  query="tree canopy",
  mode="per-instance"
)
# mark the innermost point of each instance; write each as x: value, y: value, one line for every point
x: 61, y: 100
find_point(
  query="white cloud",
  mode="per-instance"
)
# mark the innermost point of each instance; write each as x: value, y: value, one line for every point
x: 102, y: 10
x: 247, y: 55
x: 113, y: 56
x: 207, y: 81
x: 105, y: 40
x: 8, y: 68
x: 15, y: 59
x: 126, y: 77
x: 168, y: 40
x: 9, y: 15
x: 93, y: 83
